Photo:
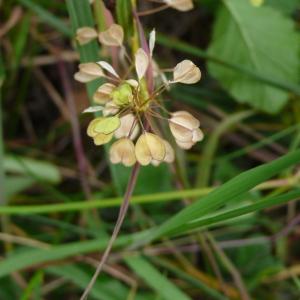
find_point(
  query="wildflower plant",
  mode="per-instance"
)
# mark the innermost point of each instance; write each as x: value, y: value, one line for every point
x: 131, y: 104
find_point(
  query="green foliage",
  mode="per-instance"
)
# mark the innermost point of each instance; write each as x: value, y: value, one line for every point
x: 260, y: 39
x: 163, y: 287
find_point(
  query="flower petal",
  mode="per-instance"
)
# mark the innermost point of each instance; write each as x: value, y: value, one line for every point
x: 141, y: 63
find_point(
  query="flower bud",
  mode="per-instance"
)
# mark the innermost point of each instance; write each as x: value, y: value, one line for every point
x: 88, y: 72
x: 185, y: 129
x: 103, y: 93
x: 122, y: 151
x: 149, y: 147
x: 85, y: 34
x: 128, y: 127
x: 113, y: 36
x: 122, y: 95
x: 182, y: 5
x: 186, y: 72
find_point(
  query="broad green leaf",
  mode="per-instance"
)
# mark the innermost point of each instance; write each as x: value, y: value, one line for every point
x: 161, y: 284
x: 35, y: 169
x: 286, y: 6
x: 260, y: 39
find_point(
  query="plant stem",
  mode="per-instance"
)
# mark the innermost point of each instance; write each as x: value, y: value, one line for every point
x: 122, y: 214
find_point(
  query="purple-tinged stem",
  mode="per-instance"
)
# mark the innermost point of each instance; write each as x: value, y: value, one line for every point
x: 121, y: 216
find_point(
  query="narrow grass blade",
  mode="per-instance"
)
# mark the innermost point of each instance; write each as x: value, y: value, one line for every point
x: 161, y: 284
x: 228, y: 191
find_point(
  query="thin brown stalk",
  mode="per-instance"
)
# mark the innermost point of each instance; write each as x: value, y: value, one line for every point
x: 78, y: 147
x: 121, y: 216
x: 231, y: 268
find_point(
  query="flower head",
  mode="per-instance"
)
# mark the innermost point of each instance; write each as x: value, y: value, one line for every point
x: 130, y: 110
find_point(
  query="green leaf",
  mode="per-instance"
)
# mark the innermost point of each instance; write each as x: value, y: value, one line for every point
x: 260, y: 39
x: 164, y: 287
x: 41, y: 170
x: 123, y: 10
x: 16, y: 184
x: 283, y: 5
x: 47, y: 17
x: 104, y: 289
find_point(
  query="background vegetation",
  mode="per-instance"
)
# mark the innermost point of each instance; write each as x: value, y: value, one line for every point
x: 222, y: 223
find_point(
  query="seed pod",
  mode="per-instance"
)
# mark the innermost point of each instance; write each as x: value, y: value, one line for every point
x: 149, y: 147
x: 85, y: 34
x: 185, y: 129
x: 128, y: 127
x: 122, y: 151
x: 186, y: 72
x: 103, y: 93
x: 122, y: 95
x: 99, y: 138
x: 113, y: 36
x: 169, y: 157
x: 88, y: 72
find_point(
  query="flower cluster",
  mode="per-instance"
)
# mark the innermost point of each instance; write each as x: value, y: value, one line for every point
x: 129, y: 109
